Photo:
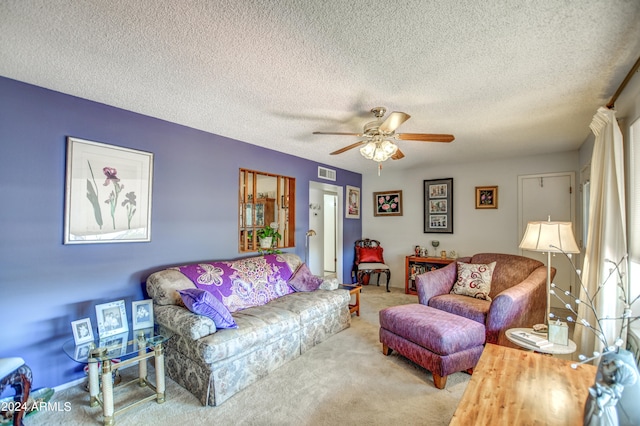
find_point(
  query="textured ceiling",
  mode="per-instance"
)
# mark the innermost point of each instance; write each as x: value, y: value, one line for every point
x: 505, y: 77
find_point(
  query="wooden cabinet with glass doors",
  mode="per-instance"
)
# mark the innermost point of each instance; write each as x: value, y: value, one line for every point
x: 265, y: 200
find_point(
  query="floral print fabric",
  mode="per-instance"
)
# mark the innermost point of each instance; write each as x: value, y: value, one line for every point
x: 243, y: 283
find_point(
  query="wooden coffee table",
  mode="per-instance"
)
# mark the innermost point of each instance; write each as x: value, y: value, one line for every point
x: 514, y: 387
x: 353, y: 289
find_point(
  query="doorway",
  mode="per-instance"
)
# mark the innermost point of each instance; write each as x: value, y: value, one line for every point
x: 549, y: 195
x: 324, y: 250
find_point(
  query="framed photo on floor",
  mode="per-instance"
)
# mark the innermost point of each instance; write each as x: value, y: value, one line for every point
x: 107, y: 193
x: 112, y: 319
x: 438, y: 206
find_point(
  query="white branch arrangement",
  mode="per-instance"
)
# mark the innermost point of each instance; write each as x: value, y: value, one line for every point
x: 572, y: 304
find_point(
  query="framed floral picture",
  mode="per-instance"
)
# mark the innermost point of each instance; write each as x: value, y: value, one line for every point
x: 107, y: 193
x: 438, y: 206
x: 486, y: 197
x: 352, y: 202
x: 387, y: 203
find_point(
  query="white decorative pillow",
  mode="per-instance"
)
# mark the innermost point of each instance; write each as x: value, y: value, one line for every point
x: 474, y: 279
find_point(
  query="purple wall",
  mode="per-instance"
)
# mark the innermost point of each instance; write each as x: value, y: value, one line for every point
x: 44, y: 285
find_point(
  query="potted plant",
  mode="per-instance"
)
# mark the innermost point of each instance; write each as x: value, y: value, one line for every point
x: 269, y: 237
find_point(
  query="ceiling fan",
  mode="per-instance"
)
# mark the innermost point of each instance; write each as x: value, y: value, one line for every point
x: 379, y: 136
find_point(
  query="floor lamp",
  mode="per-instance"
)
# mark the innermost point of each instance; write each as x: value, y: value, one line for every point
x: 549, y: 237
x: 310, y: 233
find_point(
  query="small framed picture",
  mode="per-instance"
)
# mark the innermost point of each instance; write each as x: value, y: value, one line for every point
x: 142, y: 314
x: 82, y: 332
x: 352, y: 202
x: 387, y: 203
x: 486, y: 197
x: 112, y: 318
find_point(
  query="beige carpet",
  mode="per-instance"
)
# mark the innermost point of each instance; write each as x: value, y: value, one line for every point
x: 344, y: 380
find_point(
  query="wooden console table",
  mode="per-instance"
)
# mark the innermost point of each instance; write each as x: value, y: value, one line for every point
x: 514, y: 387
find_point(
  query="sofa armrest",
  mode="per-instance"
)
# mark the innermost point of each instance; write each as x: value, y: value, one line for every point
x: 435, y: 283
x: 181, y: 321
x: 522, y: 305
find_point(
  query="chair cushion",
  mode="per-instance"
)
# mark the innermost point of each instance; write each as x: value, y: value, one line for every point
x: 464, y: 306
x: 304, y: 280
x: 369, y: 254
x: 8, y: 365
x: 474, y: 280
x: 371, y: 266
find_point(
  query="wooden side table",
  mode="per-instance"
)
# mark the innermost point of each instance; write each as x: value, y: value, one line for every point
x: 355, y: 290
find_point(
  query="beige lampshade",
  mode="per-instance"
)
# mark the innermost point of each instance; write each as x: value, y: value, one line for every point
x: 549, y: 237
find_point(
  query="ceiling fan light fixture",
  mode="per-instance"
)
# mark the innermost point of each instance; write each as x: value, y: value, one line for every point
x: 368, y: 150
x: 388, y: 148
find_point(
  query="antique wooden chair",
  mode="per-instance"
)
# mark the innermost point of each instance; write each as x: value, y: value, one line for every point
x: 15, y: 373
x: 368, y: 260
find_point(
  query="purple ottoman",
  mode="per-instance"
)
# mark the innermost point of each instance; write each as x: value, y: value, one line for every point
x: 441, y: 342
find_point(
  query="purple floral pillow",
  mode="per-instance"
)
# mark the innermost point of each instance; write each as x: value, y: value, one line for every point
x: 202, y: 302
x: 304, y: 280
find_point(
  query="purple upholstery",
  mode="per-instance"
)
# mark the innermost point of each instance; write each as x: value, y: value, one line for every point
x: 518, y: 290
x: 439, y: 331
x: 441, y: 342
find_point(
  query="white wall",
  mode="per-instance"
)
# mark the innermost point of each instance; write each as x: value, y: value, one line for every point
x: 474, y: 230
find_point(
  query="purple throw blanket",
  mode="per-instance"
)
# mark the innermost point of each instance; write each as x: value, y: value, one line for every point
x: 242, y: 283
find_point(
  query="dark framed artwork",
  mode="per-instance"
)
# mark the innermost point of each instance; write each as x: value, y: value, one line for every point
x: 387, y: 203
x: 486, y: 197
x: 438, y: 206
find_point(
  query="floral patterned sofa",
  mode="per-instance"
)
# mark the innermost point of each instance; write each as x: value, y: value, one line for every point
x: 270, y: 322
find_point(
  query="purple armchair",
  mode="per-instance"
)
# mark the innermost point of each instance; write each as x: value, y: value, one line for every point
x: 518, y: 293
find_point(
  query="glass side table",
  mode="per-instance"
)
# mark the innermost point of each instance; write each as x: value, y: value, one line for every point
x: 99, y: 355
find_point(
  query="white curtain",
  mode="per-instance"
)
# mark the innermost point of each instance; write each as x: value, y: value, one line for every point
x: 606, y: 233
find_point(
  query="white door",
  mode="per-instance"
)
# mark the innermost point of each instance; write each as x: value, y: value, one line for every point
x: 316, y: 245
x: 543, y: 196
x: 330, y: 227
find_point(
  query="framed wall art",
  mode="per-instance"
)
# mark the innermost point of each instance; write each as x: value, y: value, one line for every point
x: 352, y: 202
x: 438, y: 206
x: 112, y: 318
x: 486, y: 197
x: 142, y: 314
x: 387, y: 203
x: 82, y: 331
x: 107, y: 193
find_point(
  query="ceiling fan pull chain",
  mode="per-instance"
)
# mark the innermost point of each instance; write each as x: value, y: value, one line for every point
x: 379, y: 168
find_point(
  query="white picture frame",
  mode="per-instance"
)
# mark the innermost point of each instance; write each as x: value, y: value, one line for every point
x: 112, y: 318
x: 142, y: 314
x: 107, y: 193
x: 82, y: 331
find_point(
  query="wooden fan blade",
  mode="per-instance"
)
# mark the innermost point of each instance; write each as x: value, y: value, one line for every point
x: 424, y: 137
x: 347, y: 148
x: 398, y: 155
x: 337, y: 133
x: 393, y: 121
